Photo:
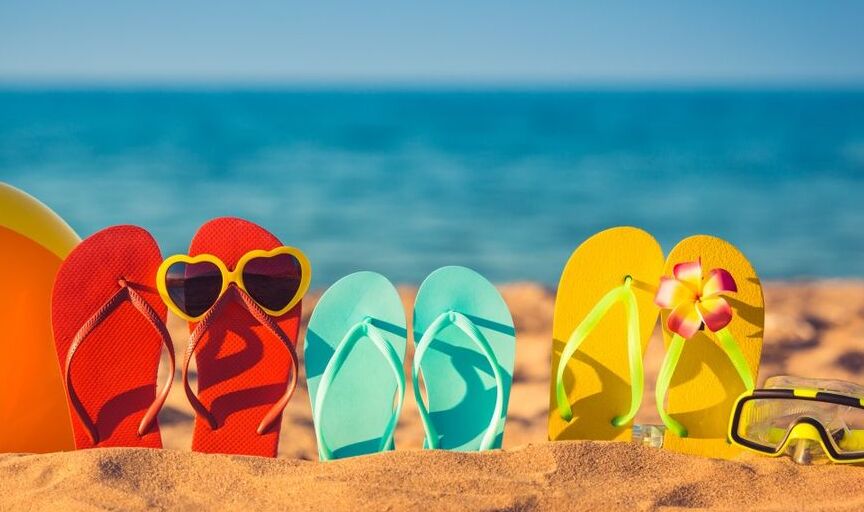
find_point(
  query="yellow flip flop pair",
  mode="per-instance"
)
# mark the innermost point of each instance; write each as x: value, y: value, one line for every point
x: 611, y: 292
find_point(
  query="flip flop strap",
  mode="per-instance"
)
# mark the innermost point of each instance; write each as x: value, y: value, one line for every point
x: 124, y: 293
x: 471, y: 330
x: 360, y: 330
x: 625, y: 295
x: 670, y: 362
x: 264, y: 319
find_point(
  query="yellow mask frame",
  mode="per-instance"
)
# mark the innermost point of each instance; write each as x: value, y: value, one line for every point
x: 804, y: 428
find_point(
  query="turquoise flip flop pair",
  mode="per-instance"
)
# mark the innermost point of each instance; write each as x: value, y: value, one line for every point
x: 355, y: 354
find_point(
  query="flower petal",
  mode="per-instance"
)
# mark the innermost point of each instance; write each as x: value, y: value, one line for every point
x: 716, y: 312
x: 684, y: 320
x: 673, y: 292
x: 719, y: 280
x: 690, y: 273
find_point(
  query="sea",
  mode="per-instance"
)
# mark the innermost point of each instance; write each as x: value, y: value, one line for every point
x: 402, y: 181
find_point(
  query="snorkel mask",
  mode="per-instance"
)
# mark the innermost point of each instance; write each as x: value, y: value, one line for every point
x: 812, y: 420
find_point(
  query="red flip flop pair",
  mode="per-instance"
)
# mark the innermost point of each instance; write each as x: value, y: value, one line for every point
x: 241, y: 291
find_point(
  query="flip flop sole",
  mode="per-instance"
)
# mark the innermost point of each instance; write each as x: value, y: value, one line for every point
x: 705, y: 384
x: 359, y: 402
x: 597, y: 378
x: 460, y: 386
x: 242, y: 368
x: 114, y: 371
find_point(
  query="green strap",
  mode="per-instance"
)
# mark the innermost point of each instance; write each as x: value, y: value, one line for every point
x: 624, y: 294
x: 670, y: 362
x: 359, y: 331
x: 733, y: 350
x: 471, y: 330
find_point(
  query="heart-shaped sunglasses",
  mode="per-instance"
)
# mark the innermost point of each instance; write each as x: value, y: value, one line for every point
x: 276, y: 280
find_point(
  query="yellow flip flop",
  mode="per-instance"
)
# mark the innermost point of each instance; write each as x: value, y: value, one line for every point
x: 604, y: 315
x: 713, y: 318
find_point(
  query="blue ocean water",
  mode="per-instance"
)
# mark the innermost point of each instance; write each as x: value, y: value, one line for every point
x: 508, y: 182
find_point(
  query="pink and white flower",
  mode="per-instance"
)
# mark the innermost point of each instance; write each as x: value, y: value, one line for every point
x: 695, y: 301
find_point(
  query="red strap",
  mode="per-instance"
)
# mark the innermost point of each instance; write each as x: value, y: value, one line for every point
x: 124, y: 293
x: 264, y: 319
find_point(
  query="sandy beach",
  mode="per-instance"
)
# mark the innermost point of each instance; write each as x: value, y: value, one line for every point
x: 156, y: 156
x: 813, y: 329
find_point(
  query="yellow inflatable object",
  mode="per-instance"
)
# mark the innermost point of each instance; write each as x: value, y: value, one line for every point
x: 597, y: 377
x: 705, y: 384
x: 33, y: 243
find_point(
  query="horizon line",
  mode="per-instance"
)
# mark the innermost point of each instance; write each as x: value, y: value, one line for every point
x: 428, y: 83
x: 373, y: 87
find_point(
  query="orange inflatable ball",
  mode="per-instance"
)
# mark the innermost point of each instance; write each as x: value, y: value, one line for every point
x: 33, y: 243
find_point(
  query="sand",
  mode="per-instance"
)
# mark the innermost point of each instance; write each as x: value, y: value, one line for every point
x: 813, y: 329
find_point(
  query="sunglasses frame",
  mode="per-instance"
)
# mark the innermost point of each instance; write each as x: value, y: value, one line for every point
x: 234, y: 276
x: 805, y: 427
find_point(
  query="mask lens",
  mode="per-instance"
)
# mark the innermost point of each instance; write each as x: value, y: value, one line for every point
x: 272, y: 281
x: 766, y: 421
x: 193, y: 287
x: 848, y: 434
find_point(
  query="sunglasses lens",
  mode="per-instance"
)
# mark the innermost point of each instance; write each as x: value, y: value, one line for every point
x: 272, y: 281
x: 194, y: 287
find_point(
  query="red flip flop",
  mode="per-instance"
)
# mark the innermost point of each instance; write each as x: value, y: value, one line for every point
x: 109, y: 330
x: 245, y: 358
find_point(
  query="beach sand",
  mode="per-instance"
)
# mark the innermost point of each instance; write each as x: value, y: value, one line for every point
x: 813, y: 329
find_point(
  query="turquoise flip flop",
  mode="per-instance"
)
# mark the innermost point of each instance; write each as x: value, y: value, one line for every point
x: 355, y: 352
x: 465, y: 353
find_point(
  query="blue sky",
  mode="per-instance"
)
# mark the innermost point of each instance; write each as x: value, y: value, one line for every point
x: 192, y: 41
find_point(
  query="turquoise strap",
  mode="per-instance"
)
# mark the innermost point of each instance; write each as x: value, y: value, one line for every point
x: 670, y: 362
x: 360, y: 330
x: 471, y: 330
x: 624, y: 294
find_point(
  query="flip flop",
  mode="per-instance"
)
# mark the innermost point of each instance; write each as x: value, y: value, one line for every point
x: 245, y: 358
x: 109, y: 330
x: 355, y: 354
x: 604, y: 316
x: 465, y: 352
x: 713, y: 321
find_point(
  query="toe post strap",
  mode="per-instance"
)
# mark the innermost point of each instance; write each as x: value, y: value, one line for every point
x: 473, y: 332
x: 625, y: 295
x: 670, y: 362
x: 365, y: 329
x: 275, y: 411
x: 125, y: 293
